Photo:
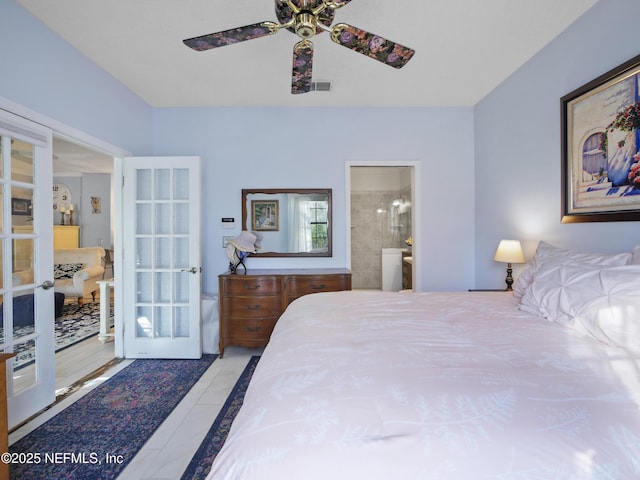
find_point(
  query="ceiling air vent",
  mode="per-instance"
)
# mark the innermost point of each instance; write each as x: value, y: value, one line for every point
x: 320, y: 86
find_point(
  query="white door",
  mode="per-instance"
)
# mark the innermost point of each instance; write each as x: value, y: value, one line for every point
x: 26, y: 255
x: 161, y: 257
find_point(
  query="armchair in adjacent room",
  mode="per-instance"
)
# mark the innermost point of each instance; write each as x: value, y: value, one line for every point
x: 77, y: 271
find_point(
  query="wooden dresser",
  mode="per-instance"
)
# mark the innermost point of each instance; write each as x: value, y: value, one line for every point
x: 66, y: 236
x: 4, y: 424
x: 251, y: 303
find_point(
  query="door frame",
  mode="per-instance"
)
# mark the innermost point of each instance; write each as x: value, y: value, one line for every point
x: 416, y: 227
x: 72, y: 134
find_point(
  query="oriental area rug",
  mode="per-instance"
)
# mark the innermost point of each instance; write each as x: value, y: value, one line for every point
x: 77, y: 323
x: 98, y: 435
x: 200, y: 464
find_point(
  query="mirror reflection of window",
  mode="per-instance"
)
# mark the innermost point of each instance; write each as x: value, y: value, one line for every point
x: 309, y: 222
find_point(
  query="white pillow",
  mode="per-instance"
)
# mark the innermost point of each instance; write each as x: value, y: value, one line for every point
x: 559, y: 291
x: 549, y: 256
x: 524, y: 279
x: 563, y: 293
x: 614, y: 321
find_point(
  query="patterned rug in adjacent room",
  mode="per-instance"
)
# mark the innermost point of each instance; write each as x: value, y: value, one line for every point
x: 77, y: 323
x: 98, y: 435
x: 201, y: 462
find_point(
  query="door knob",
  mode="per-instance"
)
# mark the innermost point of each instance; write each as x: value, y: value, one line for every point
x: 192, y: 270
x: 46, y: 285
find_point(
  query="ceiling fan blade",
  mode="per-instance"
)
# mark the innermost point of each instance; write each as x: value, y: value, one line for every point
x: 302, y: 67
x: 336, y: 3
x: 371, y: 45
x: 229, y: 37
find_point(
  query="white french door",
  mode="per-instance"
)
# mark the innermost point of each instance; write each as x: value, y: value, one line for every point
x: 161, y: 257
x: 26, y: 255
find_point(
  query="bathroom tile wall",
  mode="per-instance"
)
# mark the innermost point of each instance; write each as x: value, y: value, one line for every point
x: 376, y: 223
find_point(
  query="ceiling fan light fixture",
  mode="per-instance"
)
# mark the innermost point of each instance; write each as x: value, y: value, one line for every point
x: 306, y: 25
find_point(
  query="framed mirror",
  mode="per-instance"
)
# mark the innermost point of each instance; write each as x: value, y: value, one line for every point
x: 289, y: 222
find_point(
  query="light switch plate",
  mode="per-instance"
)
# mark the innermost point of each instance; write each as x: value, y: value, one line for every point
x: 225, y: 240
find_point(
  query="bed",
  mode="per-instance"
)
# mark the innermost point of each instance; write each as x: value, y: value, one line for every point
x: 540, y: 384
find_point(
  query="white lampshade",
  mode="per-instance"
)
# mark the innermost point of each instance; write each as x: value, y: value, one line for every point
x: 509, y: 251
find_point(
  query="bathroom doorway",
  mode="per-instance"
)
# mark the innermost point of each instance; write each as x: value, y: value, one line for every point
x: 382, y: 221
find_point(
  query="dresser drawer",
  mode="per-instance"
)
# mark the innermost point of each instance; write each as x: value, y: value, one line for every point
x: 251, y: 306
x: 239, y: 285
x: 303, y: 285
x: 250, y: 332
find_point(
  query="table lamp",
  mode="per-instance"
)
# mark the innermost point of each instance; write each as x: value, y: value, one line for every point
x: 509, y: 251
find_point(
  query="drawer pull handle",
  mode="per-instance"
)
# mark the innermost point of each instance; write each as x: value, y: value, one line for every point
x: 253, y: 307
x: 252, y: 329
x: 251, y: 287
x: 322, y: 286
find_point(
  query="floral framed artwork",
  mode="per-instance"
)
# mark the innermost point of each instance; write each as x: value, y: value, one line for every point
x: 265, y: 215
x: 601, y: 148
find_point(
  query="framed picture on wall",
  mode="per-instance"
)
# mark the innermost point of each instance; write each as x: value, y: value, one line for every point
x: 265, y: 215
x: 601, y: 148
x: 20, y: 206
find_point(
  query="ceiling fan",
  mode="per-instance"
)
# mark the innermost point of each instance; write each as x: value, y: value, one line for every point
x: 306, y: 18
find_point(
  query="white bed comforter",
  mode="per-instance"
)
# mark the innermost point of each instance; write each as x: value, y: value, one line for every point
x: 363, y: 385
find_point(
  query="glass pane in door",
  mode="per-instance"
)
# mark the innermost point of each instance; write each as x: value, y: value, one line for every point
x: 24, y: 371
x: 162, y: 217
x: 23, y: 310
x: 162, y: 288
x: 143, y: 184
x: 143, y: 321
x: 22, y: 166
x: 163, y: 252
x: 181, y: 224
x: 181, y: 253
x: 163, y: 322
x: 181, y: 184
x: 182, y: 321
x: 162, y: 185
x: 143, y: 216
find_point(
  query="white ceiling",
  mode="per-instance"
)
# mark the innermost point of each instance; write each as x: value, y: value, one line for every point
x: 464, y: 49
x: 72, y: 159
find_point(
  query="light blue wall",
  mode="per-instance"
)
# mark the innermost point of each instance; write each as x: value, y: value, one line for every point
x: 517, y: 142
x: 96, y: 226
x: 43, y: 73
x: 309, y: 147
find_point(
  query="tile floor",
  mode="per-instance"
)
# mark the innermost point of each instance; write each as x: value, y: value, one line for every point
x: 168, y: 452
